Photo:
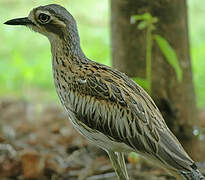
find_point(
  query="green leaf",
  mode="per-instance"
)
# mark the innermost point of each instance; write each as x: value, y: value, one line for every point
x: 147, y: 16
x: 139, y: 17
x: 142, y: 25
x: 170, y: 55
x: 142, y: 82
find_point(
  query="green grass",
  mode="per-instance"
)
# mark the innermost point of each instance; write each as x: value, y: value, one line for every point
x: 25, y: 58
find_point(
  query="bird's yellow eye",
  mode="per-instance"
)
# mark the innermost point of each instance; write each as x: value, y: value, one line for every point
x: 44, y: 18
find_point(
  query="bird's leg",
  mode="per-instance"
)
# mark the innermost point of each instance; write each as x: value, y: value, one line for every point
x: 121, y: 160
x: 116, y: 165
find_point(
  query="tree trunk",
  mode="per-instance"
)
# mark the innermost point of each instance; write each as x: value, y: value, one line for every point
x: 176, y: 100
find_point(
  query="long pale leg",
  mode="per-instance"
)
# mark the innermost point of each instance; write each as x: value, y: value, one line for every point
x: 116, y: 165
x: 121, y: 160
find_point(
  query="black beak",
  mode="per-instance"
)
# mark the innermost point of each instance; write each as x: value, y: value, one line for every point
x: 19, y: 21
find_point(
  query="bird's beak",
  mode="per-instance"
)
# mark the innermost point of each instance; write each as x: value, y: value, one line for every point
x: 19, y: 21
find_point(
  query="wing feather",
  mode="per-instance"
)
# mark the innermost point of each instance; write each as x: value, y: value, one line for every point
x: 123, y: 111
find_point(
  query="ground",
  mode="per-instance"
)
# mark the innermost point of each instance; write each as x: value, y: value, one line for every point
x: 38, y: 142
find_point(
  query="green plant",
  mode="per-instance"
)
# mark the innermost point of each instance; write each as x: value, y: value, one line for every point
x: 147, y: 21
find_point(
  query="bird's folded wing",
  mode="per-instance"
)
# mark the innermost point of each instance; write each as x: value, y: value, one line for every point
x: 117, y: 107
x: 112, y: 103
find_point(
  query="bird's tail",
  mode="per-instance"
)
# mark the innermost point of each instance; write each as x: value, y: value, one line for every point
x: 175, y: 159
x: 194, y: 174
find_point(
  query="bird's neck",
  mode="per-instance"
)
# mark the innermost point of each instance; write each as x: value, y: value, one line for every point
x: 67, y: 49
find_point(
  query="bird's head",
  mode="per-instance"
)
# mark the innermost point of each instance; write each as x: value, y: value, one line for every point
x: 52, y: 20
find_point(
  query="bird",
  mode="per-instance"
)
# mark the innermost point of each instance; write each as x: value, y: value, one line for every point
x: 104, y: 104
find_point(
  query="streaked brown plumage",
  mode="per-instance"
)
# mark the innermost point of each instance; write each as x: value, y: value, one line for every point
x: 104, y: 104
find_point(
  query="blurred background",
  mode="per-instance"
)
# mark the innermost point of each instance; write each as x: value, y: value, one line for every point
x: 25, y: 56
x: 27, y: 92
x: 24, y: 69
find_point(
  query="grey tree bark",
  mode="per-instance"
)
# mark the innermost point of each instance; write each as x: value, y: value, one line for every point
x: 176, y: 100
